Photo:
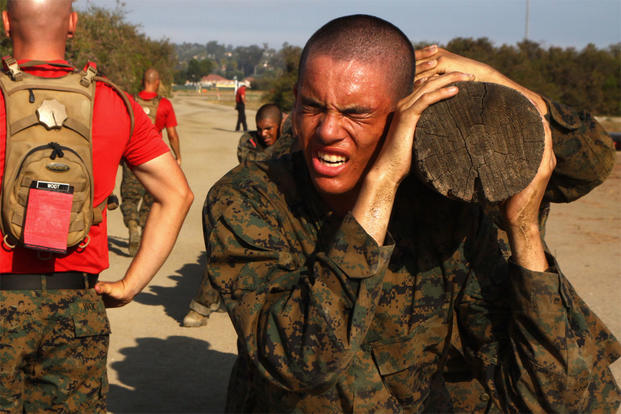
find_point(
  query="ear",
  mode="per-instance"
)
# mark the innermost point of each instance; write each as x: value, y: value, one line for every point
x: 73, y: 24
x: 7, y: 23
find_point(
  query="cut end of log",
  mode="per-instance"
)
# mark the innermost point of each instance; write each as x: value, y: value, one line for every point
x: 485, y: 143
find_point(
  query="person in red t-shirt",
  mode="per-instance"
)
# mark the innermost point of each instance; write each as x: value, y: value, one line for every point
x: 240, y: 106
x: 55, y: 331
x: 161, y: 113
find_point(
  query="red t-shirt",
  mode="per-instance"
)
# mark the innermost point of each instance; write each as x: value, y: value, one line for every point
x: 241, y: 93
x: 165, y: 116
x: 111, y: 141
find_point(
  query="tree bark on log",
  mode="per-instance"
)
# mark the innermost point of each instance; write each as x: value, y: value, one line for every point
x: 485, y: 143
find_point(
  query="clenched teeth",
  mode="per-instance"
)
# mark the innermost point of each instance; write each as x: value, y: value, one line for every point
x: 332, y: 159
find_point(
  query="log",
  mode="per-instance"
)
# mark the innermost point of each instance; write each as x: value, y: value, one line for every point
x: 484, y: 144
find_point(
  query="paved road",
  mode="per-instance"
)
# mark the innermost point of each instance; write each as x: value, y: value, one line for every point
x: 155, y: 365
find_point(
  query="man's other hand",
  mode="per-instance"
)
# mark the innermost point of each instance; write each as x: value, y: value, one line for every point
x: 115, y: 294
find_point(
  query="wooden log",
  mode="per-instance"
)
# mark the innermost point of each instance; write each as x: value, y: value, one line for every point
x: 485, y: 143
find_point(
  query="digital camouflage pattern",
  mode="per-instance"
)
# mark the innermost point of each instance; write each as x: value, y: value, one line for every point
x: 136, y: 202
x: 54, y: 343
x: 207, y: 299
x: 437, y: 320
x: 585, y: 157
x: 585, y: 153
x: 252, y: 148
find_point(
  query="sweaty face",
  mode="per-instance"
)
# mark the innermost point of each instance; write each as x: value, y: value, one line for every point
x: 340, y: 114
x: 267, y: 129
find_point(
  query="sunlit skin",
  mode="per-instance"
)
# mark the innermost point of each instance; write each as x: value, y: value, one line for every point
x: 268, y: 130
x: 340, y: 114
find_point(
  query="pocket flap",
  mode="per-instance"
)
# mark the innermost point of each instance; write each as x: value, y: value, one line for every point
x: 422, y: 348
x: 395, y: 357
x: 90, y: 318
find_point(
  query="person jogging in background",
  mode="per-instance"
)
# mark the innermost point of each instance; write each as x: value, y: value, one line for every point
x: 135, y: 201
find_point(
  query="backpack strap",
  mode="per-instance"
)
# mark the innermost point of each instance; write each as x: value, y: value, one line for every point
x: 98, y: 211
x: 123, y: 96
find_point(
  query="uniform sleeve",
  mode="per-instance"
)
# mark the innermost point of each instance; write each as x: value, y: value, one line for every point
x: 534, y: 346
x: 145, y: 143
x: 585, y: 153
x: 246, y: 148
x: 299, y: 319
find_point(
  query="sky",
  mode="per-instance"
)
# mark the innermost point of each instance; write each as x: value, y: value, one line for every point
x: 565, y: 23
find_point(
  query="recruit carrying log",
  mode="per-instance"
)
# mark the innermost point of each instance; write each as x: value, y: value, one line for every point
x: 485, y: 143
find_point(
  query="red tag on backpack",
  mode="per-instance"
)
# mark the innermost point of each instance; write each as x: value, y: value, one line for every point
x: 48, y: 214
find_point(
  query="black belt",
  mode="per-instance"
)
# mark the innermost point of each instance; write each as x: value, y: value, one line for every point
x: 38, y: 281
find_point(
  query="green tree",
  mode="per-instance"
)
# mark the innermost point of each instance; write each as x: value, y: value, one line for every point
x: 280, y: 85
x: 248, y: 58
x: 198, y: 68
x: 120, y: 50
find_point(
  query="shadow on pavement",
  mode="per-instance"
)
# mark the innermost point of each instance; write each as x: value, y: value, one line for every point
x: 228, y: 130
x: 175, y: 299
x: 173, y: 375
x: 118, y: 245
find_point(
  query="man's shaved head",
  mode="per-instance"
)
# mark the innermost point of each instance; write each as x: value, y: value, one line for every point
x: 35, y: 19
x: 151, y: 75
x: 39, y: 28
x: 367, y: 39
x: 269, y: 111
x: 151, y: 80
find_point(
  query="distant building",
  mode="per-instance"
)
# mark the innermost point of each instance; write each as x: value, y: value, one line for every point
x: 216, y: 81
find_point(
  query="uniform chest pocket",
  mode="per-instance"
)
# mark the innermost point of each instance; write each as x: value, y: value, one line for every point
x: 407, y: 367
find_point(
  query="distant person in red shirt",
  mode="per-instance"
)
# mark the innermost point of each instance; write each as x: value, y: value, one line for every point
x: 240, y: 106
x: 161, y: 113
x: 54, y: 331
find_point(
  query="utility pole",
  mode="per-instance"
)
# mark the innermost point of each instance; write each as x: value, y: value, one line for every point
x: 527, y: 17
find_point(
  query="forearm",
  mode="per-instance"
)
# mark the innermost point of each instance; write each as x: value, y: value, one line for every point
x: 164, y: 180
x: 158, y: 238
x: 527, y: 249
x: 173, y: 139
x: 374, y: 206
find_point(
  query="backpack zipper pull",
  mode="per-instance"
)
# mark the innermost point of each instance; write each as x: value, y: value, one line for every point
x: 31, y: 97
x: 56, y: 150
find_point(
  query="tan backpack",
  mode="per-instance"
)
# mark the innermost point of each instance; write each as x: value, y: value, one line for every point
x: 149, y: 106
x: 49, y: 139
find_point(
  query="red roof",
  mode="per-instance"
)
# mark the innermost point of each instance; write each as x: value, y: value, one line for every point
x: 212, y: 77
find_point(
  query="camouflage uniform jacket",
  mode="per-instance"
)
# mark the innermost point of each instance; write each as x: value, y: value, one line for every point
x: 252, y: 148
x: 328, y: 321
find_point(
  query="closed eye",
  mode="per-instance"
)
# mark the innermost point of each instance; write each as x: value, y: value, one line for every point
x: 311, y: 105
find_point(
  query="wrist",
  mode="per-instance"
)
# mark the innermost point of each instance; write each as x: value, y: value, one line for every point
x: 527, y: 247
x: 382, y: 180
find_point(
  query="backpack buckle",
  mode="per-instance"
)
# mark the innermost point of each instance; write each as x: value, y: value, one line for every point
x: 11, y: 64
x: 88, y: 74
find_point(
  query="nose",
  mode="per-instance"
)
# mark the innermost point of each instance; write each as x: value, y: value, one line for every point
x: 329, y: 128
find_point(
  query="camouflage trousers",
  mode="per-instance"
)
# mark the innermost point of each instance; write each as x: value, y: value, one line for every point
x: 53, y: 349
x: 207, y: 300
x: 132, y: 193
